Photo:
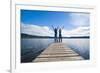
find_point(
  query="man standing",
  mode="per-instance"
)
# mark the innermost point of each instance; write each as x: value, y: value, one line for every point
x: 55, y: 33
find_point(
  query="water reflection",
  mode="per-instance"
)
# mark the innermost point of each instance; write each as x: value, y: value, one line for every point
x: 31, y: 48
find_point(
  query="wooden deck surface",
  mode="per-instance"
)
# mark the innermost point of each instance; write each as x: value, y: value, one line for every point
x: 58, y: 52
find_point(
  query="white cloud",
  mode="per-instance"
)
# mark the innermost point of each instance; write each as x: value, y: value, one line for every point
x: 79, y: 19
x: 46, y: 31
x: 80, y: 31
x: 36, y: 30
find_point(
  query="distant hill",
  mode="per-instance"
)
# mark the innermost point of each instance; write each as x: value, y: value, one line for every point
x: 23, y: 35
x: 78, y: 37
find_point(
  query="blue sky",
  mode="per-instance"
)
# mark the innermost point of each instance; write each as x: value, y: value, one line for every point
x: 72, y: 21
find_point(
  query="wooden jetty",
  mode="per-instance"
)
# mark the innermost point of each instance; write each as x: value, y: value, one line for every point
x: 58, y: 52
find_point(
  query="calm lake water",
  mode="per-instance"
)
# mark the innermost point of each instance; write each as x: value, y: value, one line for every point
x: 32, y: 47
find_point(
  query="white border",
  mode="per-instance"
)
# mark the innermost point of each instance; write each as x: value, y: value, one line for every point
x: 16, y: 66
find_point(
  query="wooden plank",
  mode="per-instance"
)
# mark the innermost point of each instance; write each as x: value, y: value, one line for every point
x: 58, y: 52
x: 58, y: 59
x: 57, y: 55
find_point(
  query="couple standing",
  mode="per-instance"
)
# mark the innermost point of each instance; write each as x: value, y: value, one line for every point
x: 56, y: 31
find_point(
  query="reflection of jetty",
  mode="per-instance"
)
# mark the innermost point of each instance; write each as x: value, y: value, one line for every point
x: 58, y: 52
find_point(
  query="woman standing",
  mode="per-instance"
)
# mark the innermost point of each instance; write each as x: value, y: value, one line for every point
x: 60, y: 34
